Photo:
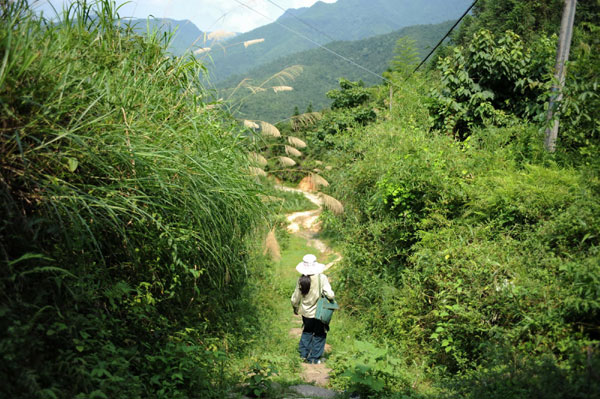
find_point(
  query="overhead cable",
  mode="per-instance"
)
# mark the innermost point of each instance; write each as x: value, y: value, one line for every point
x: 317, y: 44
x: 443, y: 38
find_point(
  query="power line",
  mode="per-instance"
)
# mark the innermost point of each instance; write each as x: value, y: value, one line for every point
x: 317, y: 44
x: 304, y: 22
x: 443, y: 38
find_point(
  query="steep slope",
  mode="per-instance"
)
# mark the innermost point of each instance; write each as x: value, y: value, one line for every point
x: 321, y: 72
x: 343, y: 20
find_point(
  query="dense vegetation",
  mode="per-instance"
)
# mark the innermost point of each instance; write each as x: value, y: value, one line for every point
x: 345, y: 20
x: 127, y: 215
x: 469, y: 250
x: 321, y: 71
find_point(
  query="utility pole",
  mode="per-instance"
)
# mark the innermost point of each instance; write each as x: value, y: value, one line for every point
x: 562, y: 56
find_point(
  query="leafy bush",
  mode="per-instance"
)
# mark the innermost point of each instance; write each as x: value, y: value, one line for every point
x: 579, y: 135
x: 468, y: 254
x: 489, y: 82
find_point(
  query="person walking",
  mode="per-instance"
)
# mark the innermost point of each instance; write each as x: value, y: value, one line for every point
x: 304, y: 302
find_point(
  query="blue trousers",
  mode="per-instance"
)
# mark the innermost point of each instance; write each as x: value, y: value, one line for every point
x: 312, y: 340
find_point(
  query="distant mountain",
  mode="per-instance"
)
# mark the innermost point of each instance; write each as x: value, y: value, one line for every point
x: 187, y: 36
x: 343, y: 20
x: 321, y: 72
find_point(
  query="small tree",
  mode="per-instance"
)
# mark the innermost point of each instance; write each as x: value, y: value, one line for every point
x: 406, y: 56
x: 490, y: 81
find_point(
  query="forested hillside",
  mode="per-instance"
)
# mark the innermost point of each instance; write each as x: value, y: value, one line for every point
x: 342, y: 20
x: 320, y: 73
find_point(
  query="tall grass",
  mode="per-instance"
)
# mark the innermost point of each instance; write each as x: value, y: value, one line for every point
x: 126, y: 211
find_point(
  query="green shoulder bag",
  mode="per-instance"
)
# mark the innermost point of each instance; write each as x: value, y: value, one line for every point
x: 325, y: 307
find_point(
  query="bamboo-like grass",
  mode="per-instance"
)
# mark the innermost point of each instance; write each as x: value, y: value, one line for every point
x: 111, y: 179
x: 113, y: 137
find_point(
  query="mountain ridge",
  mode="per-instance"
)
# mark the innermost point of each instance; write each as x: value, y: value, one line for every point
x: 322, y: 70
x: 342, y: 20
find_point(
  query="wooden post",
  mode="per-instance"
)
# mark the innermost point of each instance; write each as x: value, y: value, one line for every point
x: 562, y: 56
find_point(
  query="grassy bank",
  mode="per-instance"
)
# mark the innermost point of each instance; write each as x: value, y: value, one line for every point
x: 128, y: 216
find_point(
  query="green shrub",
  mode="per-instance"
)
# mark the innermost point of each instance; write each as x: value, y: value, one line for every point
x: 457, y: 251
x: 490, y: 82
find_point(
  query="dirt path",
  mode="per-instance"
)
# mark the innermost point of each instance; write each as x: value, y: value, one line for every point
x: 306, y: 225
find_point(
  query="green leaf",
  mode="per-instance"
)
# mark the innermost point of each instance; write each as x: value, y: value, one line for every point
x: 72, y: 164
x: 98, y: 394
x: 178, y: 376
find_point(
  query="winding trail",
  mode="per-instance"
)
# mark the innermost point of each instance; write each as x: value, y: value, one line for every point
x: 305, y: 224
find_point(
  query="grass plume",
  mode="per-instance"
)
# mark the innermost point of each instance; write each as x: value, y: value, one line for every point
x: 318, y: 181
x: 268, y: 129
x: 286, y: 162
x: 296, y: 142
x: 277, y: 89
x: 272, y: 246
x: 257, y: 159
x: 332, y: 204
x: 291, y: 151
x: 253, y: 41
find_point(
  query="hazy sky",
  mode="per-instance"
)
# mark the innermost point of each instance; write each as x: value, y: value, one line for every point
x: 207, y: 15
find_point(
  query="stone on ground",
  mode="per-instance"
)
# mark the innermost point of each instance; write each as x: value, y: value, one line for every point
x: 311, y: 391
x: 316, y: 374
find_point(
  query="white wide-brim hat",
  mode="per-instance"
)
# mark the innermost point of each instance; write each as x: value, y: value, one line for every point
x: 309, y: 265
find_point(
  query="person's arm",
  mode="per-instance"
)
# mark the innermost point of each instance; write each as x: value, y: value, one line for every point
x: 327, y: 287
x: 296, y: 296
